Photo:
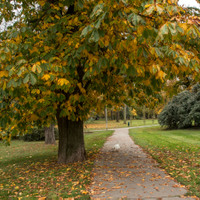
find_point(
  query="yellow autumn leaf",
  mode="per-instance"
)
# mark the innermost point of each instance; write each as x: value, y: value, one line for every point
x: 63, y: 81
x: 76, y: 46
x: 41, y: 198
x: 133, y: 112
x: 41, y: 2
x: 84, y: 192
x: 57, y: 17
x: 34, y: 117
x: 148, y: 5
x: 55, y: 7
x: 35, y: 91
x: 81, y: 88
x: 46, y: 77
x: 4, y: 85
x: 46, y: 48
x: 18, y: 39
x: 3, y: 73
x: 33, y: 50
x: 160, y: 75
x: 41, y: 101
x: 36, y: 66
x: 126, y: 65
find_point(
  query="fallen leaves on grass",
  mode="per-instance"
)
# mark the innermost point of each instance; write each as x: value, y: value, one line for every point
x: 181, y: 163
x: 47, y: 179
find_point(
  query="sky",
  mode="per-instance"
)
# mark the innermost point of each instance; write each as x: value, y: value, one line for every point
x: 190, y: 3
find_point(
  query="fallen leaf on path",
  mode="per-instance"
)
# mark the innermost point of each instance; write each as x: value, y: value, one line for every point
x: 116, y: 187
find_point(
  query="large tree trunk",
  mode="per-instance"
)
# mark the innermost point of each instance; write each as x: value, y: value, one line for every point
x: 71, y: 141
x: 49, y: 135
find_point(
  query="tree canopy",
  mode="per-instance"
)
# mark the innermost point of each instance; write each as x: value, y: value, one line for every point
x: 62, y: 58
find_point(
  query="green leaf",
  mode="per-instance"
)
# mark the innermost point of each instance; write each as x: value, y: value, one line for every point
x: 172, y: 28
x: 26, y: 79
x: 135, y: 19
x: 3, y: 56
x: 159, y: 9
x: 164, y: 29
x: 131, y: 71
x: 158, y: 52
x: 86, y: 30
x: 145, y: 34
x: 22, y: 61
x: 95, y: 36
x: 23, y: 29
x: 80, y: 3
x: 33, y: 79
x: 98, y: 9
x: 39, y: 69
x: 26, y: 46
x: 150, y: 10
x: 139, y: 51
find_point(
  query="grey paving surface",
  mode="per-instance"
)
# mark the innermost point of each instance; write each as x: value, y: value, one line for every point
x: 128, y: 173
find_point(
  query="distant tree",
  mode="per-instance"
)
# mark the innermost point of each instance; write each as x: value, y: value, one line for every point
x: 194, y: 102
x: 183, y: 111
x: 49, y: 135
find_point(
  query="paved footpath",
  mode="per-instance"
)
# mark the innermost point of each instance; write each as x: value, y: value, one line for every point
x: 129, y: 173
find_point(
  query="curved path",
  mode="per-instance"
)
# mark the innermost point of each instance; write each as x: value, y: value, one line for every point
x: 129, y: 173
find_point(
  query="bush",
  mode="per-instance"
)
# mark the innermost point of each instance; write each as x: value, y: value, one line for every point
x: 36, y: 134
x: 169, y: 117
x: 182, y: 111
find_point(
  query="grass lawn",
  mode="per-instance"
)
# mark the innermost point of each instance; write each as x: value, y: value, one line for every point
x: 178, y: 151
x: 101, y: 124
x: 29, y: 170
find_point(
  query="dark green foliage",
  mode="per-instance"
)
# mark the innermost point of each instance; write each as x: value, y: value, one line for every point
x: 183, y: 111
x: 38, y: 134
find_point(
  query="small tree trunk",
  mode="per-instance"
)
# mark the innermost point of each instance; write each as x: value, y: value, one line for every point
x: 154, y: 116
x: 49, y: 135
x: 117, y: 116
x: 131, y: 117
x: 144, y: 114
x: 111, y: 115
x: 106, y: 117
x: 124, y: 113
x: 71, y: 141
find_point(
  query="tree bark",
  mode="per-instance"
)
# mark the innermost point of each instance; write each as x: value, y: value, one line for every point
x: 117, y: 116
x: 49, y: 135
x: 106, y: 117
x: 111, y: 115
x: 124, y: 113
x: 71, y: 141
x: 144, y: 114
x: 154, y: 116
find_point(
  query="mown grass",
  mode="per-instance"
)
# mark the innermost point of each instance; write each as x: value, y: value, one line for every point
x: 29, y: 170
x: 178, y: 151
x: 101, y: 124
